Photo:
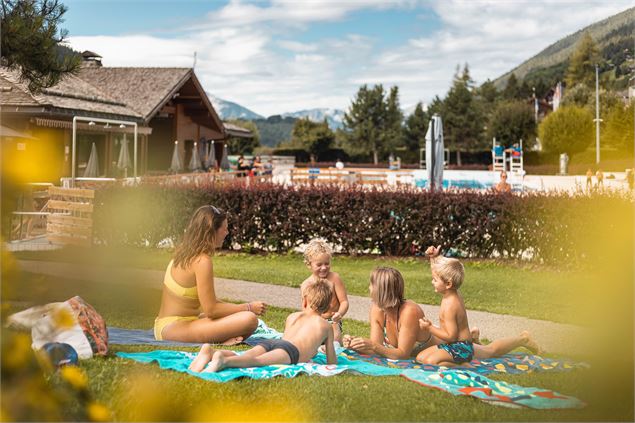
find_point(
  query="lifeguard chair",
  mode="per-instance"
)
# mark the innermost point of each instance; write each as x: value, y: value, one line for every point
x: 499, y: 156
x: 516, y: 159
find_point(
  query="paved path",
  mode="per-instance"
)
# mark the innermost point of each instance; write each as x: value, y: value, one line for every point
x: 555, y: 337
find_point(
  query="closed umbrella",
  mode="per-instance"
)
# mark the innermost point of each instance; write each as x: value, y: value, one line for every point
x: 195, y: 161
x: 224, y: 162
x: 124, y: 162
x: 92, y: 168
x: 210, y: 161
x: 175, y: 165
x: 435, y: 153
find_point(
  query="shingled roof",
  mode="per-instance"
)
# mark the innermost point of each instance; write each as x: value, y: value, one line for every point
x: 143, y: 89
x: 70, y: 93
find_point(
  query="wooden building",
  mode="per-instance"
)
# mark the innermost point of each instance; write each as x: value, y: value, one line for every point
x: 167, y: 104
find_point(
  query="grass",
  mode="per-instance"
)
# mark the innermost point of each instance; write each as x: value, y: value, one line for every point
x: 498, y: 287
x: 138, y: 392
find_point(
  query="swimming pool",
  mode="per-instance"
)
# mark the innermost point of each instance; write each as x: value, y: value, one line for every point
x: 467, y: 179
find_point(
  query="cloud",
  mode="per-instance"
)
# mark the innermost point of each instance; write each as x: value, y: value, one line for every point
x: 246, y: 52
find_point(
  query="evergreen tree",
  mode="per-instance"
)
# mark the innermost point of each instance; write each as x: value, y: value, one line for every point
x: 393, y: 135
x: 582, y: 63
x: 30, y: 42
x: 414, y: 131
x: 365, y: 122
x: 313, y: 137
x: 619, y: 126
x: 512, y: 89
x: 488, y: 92
x: 462, y: 119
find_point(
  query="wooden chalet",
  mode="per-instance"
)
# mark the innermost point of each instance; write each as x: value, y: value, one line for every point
x: 167, y: 104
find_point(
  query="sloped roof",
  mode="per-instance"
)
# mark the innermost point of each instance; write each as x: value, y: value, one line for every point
x: 70, y: 93
x: 143, y: 89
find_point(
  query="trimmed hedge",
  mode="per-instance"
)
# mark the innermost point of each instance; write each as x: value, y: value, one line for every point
x: 270, y: 217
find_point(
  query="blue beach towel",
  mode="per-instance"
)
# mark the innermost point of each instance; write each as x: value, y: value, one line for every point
x: 455, y: 381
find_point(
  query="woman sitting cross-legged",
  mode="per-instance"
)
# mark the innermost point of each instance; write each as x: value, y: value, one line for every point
x: 190, y: 311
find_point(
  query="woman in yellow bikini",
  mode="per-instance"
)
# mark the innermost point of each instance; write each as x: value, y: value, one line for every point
x: 190, y: 311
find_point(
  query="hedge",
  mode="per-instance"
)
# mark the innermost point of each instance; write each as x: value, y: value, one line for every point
x: 271, y: 217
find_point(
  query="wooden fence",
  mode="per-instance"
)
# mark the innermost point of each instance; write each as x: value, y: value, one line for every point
x: 69, y: 219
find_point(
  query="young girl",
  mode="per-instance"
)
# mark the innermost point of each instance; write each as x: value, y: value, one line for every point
x: 190, y: 311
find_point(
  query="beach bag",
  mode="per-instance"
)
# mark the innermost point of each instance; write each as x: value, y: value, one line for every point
x: 73, y: 322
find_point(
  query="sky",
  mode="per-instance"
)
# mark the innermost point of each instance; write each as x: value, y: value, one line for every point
x: 282, y: 56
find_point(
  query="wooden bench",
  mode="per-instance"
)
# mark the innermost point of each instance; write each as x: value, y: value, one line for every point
x: 70, y: 216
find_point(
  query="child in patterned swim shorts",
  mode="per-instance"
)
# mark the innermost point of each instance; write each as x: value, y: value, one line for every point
x: 453, y: 329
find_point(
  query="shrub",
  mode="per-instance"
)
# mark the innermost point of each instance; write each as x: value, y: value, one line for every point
x: 269, y: 217
x: 567, y: 130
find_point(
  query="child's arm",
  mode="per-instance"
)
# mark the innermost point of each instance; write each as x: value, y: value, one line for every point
x: 342, y: 297
x: 331, y: 357
x: 433, y: 252
x: 449, y: 331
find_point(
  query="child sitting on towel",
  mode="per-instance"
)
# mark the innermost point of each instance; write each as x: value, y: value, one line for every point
x: 454, y: 332
x: 304, y: 332
x: 317, y: 258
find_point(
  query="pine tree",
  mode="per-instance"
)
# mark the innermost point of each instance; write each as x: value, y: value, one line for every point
x: 415, y: 130
x: 30, y: 42
x: 512, y: 89
x: 393, y: 135
x: 462, y: 119
x: 582, y: 63
x: 365, y: 122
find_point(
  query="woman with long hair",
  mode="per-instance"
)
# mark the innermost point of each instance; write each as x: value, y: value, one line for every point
x: 190, y: 311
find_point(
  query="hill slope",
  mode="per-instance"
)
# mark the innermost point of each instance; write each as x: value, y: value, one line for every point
x: 612, y: 35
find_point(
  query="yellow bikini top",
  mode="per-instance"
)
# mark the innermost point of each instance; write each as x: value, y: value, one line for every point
x: 177, y: 289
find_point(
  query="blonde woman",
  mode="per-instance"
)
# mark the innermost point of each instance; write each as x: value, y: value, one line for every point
x: 190, y: 311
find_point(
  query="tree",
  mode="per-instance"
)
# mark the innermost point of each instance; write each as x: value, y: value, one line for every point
x: 569, y: 129
x: 487, y: 92
x: 30, y: 42
x: 512, y: 121
x: 462, y: 120
x: 581, y: 68
x: 314, y: 137
x: 512, y: 89
x: 366, y: 121
x: 414, y: 131
x: 619, y: 127
x: 578, y: 95
x: 393, y: 135
x: 244, y: 145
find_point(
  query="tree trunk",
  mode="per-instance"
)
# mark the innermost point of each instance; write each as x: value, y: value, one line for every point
x: 458, y: 157
x: 375, y: 159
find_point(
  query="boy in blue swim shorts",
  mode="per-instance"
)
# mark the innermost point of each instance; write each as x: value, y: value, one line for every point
x: 453, y: 330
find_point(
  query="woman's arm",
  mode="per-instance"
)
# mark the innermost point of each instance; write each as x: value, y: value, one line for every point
x: 211, y: 307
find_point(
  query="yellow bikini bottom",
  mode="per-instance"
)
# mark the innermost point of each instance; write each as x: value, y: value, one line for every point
x: 161, y: 322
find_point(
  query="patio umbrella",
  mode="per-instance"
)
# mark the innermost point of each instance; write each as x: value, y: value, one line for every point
x: 210, y: 160
x: 124, y: 161
x: 175, y: 165
x: 92, y: 168
x: 435, y: 153
x: 224, y: 162
x: 195, y: 161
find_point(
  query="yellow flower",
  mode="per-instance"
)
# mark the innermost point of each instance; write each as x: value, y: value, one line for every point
x: 18, y: 352
x: 63, y: 318
x: 98, y: 412
x: 74, y: 376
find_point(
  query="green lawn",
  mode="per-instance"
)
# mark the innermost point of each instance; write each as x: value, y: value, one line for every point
x: 498, y: 287
x: 138, y: 392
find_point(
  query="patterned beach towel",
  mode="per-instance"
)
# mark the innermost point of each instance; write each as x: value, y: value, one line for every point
x: 454, y: 381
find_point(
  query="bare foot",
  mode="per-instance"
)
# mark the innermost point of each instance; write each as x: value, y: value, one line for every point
x: 218, y: 362
x: 476, y: 335
x: 530, y: 343
x: 233, y: 341
x: 204, y: 356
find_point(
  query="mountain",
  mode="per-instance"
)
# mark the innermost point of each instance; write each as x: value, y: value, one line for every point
x: 334, y: 117
x: 614, y: 37
x: 228, y: 110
